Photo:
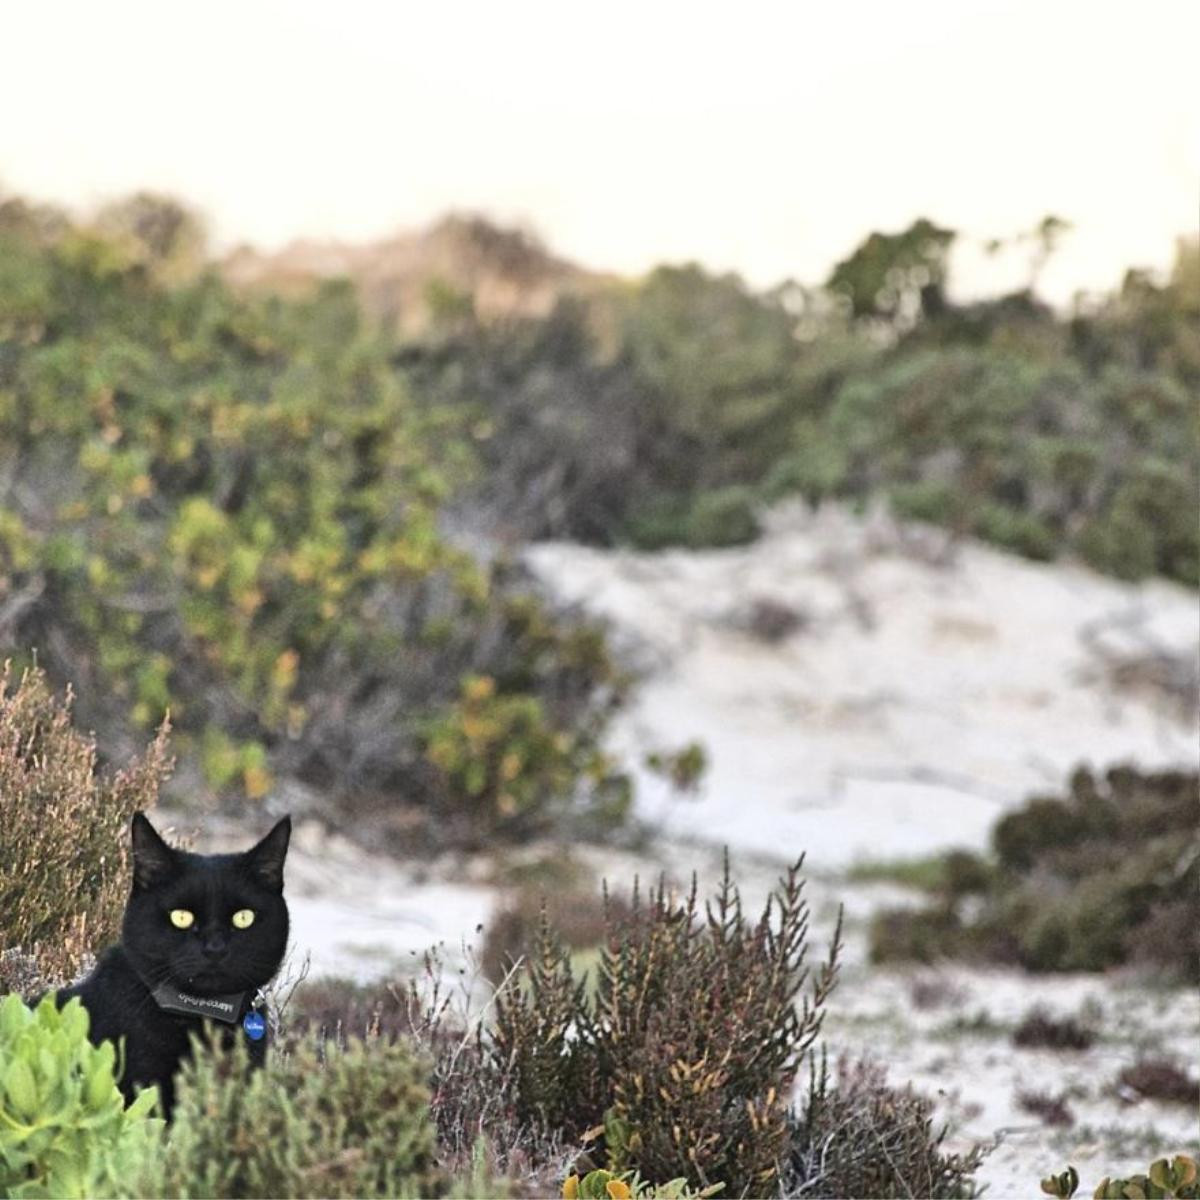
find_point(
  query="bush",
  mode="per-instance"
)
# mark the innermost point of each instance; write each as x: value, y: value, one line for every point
x: 234, y: 508
x: 64, y: 1127
x: 687, y: 1048
x: 1042, y: 1030
x: 507, y: 766
x: 722, y: 518
x: 864, y: 1138
x: 1024, y: 449
x: 1100, y: 877
x: 335, y: 1010
x: 318, y: 1121
x: 580, y: 918
x: 917, y: 935
x: 683, y: 768
x: 1052, y: 1109
x: 64, y: 869
x: 600, y: 1184
x: 1159, y: 1079
x: 1021, y: 532
x: 1173, y: 1180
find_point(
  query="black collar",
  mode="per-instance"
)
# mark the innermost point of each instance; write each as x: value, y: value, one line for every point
x: 227, y: 1008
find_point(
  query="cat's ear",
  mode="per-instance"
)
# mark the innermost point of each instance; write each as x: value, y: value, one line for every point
x: 153, y: 860
x: 266, y: 859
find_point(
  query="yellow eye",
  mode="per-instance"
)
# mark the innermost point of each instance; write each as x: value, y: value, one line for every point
x: 182, y: 919
x: 243, y: 918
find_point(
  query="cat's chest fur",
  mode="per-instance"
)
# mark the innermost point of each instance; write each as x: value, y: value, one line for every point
x: 121, y: 1007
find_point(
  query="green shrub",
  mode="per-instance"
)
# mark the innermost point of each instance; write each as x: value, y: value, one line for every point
x: 64, y: 870
x: 815, y: 469
x: 1164, y: 1180
x: 684, y: 768
x: 232, y: 507
x: 1100, y: 877
x: 950, y: 876
x: 687, y: 1048
x: 661, y: 522
x: 1022, y: 532
x: 928, y: 500
x: 318, y: 1121
x: 724, y: 517
x: 64, y: 1127
x: 507, y: 766
x: 921, y: 935
x: 1021, y: 448
x: 600, y: 1184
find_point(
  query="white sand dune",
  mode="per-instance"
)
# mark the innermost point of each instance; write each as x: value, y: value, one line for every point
x: 916, y: 701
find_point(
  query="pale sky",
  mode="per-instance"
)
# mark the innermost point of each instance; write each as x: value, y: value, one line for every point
x: 763, y: 138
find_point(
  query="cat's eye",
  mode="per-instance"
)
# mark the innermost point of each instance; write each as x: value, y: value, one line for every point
x: 243, y: 918
x: 181, y: 918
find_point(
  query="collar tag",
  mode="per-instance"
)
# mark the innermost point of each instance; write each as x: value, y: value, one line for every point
x: 220, y: 1008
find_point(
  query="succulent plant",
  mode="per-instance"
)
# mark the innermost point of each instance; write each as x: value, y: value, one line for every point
x: 64, y: 1128
x: 1174, y: 1179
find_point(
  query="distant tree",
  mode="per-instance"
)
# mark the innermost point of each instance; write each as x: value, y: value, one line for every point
x: 36, y: 223
x: 158, y: 232
x: 897, y: 277
x: 715, y: 362
x: 1044, y: 238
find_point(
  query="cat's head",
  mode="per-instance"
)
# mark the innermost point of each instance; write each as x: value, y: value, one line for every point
x: 208, y: 923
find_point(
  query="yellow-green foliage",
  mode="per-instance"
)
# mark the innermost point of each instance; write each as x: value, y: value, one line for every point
x: 230, y: 507
x: 1064, y: 1185
x: 319, y: 1120
x: 64, y: 1128
x: 629, y: 1185
x: 1174, y: 1179
x: 502, y: 756
x: 683, y: 768
x: 64, y: 853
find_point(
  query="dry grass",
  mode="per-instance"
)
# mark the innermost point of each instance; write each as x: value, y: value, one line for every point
x: 863, y: 1137
x: 64, y: 858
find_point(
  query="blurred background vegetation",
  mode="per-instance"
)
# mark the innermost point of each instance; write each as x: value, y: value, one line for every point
x: 289, y: 509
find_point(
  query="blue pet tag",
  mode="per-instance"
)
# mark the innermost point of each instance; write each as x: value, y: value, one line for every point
x: 254, y: 1025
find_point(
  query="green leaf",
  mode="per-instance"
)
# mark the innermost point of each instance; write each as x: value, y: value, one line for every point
x: 21, y: 1089
x: 1185, y: 1171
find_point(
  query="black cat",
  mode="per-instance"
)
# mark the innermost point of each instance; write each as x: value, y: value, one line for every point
x: 202, y: 933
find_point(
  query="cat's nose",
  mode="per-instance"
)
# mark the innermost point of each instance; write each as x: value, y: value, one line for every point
x: 214, y: 945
